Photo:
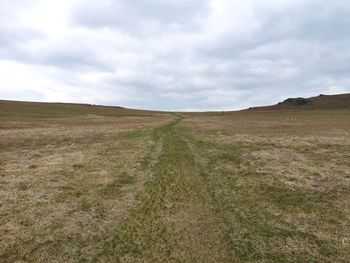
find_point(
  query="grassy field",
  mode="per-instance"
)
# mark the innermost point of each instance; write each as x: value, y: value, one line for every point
x: 82, y: 183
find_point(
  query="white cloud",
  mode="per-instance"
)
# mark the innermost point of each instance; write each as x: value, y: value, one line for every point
x: 171, y: 55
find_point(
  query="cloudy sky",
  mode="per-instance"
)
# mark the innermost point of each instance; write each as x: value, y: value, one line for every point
x: 171, y: 54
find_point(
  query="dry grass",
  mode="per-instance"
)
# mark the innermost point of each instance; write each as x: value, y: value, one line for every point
x: 226, y: 187
x: 284, y: 180
x: 66, y: 182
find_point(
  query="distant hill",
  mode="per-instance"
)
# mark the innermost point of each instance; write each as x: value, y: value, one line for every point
x: 25, y: 109
x: 323, y: 102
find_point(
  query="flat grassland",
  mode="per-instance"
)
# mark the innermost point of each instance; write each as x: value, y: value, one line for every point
x: 82, y: 183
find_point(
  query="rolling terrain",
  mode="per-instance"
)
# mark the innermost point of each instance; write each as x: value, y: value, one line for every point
x: 321, y: 102
x: 82, y: 183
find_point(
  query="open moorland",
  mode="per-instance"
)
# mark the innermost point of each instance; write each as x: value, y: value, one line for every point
x: 82, y: 183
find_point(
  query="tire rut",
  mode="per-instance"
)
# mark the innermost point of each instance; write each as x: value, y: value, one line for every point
x: 175, y: 220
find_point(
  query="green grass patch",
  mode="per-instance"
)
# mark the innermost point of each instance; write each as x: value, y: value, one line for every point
x: 113, y: 189
x: 161, y: 228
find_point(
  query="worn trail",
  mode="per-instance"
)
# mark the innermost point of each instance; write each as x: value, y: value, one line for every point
x: 176, y: 219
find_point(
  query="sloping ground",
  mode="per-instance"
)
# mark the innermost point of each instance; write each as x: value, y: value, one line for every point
x: 23, y: 109
x: 323, y: 102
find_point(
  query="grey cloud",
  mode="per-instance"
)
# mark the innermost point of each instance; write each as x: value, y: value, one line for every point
x: 140, y: 15
x: 324, y: 21
x: 22, y: 95
x: 73, y: 57
x: 164, y: 55
x: 12, y: 37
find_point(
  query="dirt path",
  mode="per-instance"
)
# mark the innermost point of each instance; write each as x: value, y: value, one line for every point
x: 176, y: 219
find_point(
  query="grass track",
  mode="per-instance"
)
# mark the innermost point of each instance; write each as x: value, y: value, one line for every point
x: 176, y: 219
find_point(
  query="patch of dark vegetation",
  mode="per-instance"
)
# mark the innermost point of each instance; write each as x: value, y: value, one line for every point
x: 32, y: 166
x: 78, y: 166
x: 113, y: 189
x: 296, y: 101
x: 85, y: 205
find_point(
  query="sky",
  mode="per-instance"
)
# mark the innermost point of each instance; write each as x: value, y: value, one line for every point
x: 173, y: 55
